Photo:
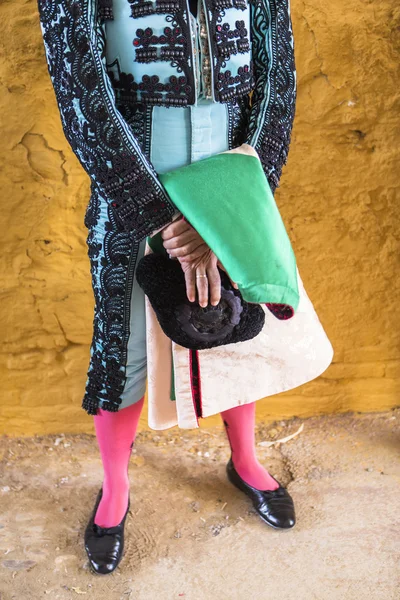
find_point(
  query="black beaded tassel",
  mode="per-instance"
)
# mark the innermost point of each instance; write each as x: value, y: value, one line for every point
x: 106, y: 10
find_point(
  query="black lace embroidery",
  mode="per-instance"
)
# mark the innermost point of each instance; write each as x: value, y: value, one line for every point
x: 226, y: 42
x: 221, y: 4
x: 149, y: 90
x: 274, y: 97
x: 176, y: 48
x: 96, y: 132
x: 175, y: 45
x: 141, y: 8
x: 230, y: 86
x: 123, y: 184
x: 106, y: 10
x: 238, y: 116
x: 145, y: 37
x: 113, y: 256
x: 138, y: 116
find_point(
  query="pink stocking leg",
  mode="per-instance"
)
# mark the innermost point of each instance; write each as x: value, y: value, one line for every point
x: 239, y: 424
x: 115, y: 432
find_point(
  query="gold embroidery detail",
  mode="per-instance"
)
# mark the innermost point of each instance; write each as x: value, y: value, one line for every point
x: 205, y: 54
x: 194, y: 30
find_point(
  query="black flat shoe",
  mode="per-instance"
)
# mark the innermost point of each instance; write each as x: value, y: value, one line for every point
x: 104, y: 545
x: 275, y: 507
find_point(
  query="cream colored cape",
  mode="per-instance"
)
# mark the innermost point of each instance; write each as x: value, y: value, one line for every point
x: 284, y: 355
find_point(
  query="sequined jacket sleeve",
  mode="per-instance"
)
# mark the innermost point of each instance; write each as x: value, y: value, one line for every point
x: 96, y: 131
x: 274, y: 97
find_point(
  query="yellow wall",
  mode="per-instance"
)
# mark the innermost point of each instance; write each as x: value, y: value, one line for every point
x: 339, y: 198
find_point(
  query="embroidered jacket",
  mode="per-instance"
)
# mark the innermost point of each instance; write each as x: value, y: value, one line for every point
x: 154, y: 41
x: 73, y: 34
x: 106, y: 118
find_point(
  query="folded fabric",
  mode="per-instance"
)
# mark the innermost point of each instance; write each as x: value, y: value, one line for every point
x: 227, y: 199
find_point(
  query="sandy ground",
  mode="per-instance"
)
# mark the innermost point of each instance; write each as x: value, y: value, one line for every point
x: 191, y: 534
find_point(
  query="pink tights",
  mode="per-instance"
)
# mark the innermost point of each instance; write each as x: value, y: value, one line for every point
x: 239, y: 424
x: 116, y: 432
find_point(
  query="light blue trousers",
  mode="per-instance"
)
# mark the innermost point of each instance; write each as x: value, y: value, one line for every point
x: 179, y: 136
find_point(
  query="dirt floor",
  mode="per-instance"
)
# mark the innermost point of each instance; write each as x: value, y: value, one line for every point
x: 191, y: 534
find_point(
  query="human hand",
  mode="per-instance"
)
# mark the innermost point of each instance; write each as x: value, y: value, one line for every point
x: 182, y: 241
x: 203, y: 275
x: 198, y: 262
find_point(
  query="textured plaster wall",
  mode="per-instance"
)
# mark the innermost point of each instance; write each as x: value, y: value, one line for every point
x: 339, y: 198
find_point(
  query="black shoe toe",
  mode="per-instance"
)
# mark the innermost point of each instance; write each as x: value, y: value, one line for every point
x: 275, y: 507
x: 104, y: 545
